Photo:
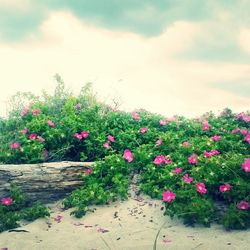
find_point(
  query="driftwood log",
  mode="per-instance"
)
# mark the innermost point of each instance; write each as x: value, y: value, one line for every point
x: 45, y: 182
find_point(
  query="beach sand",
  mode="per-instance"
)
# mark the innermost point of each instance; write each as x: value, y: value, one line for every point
x: 131, y: 224
x: 134, y: 224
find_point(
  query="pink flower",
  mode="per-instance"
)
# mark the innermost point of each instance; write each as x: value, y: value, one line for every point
x: 6, y: 201
x: 111, y: 138
x: 158, y: 142
x: 224, y: 188
x: 166, y: 241
x: 58, y: 218
x: 243, y: 205
x: 136, y: 116
x: 40, y: 138
x: 78, y: 106
x: 173, y: 118
x: 102, y: 230
x: 216, y: 138
x: 127, y: 155
x: 244, y: 117
x: 78, y: 136
x: 85, y: 134
x: 51, y: 124
x: 36, y: 111
x: 240, y: 115
x: 185, y: 144
x: 207, y: 154
x: 24, y: 131
x: 168, y: 196
x: 205, y: 125
x: 215, y: 152
x: 177, y: 170
x: 33, y: 136
x: 192, y: 159
x: 246, y: 165
x: 106, y: 145
x: 161, y: 159
x: 243, y: 131
x: 247, y: 138
x: 236, y: 130
x: 88, y: 171
x: 163, y: 122
x: 143, y: 130
x: 187, y: 179
x: 15, y: 145
x: 211, y: 153
x: 25, y: 111
x: 201, y: 188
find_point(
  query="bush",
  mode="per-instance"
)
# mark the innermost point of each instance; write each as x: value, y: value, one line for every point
x: 106, y: 183
x: 16, y: 208
x: 199, y: 167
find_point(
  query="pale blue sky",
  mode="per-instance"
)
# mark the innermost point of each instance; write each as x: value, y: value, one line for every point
x: 203, y: 46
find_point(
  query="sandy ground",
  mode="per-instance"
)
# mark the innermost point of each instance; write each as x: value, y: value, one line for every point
x: 132, y: 224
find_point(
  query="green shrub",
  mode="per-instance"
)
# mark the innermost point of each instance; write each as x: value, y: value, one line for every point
x: 217, y: 162
x: 18, y: 209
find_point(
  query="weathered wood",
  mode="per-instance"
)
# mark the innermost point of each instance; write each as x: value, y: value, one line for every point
x: 44, y: 182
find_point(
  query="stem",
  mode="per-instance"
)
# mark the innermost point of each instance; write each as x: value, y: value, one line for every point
x: 58, y: 151
x: 157, y: 235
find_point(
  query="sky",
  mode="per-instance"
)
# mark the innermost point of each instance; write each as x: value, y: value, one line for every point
x: 168, y: 57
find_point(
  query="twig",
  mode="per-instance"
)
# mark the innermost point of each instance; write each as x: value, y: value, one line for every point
x: 105, y: 243
x: 198, y: 245
x: 157, y: 235
x: 18, y: 231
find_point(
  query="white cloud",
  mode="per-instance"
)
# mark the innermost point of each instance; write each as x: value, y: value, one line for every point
x: 151, y: 76
x: 244, y: 39
x: 15, y: 4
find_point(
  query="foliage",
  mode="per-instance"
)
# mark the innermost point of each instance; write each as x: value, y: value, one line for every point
x: 19, y: 209
x: 113, y: 172
x: 202, y: 162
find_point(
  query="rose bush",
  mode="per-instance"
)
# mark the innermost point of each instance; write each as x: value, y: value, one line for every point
x: 199, y: 167
x: 16, y: 208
